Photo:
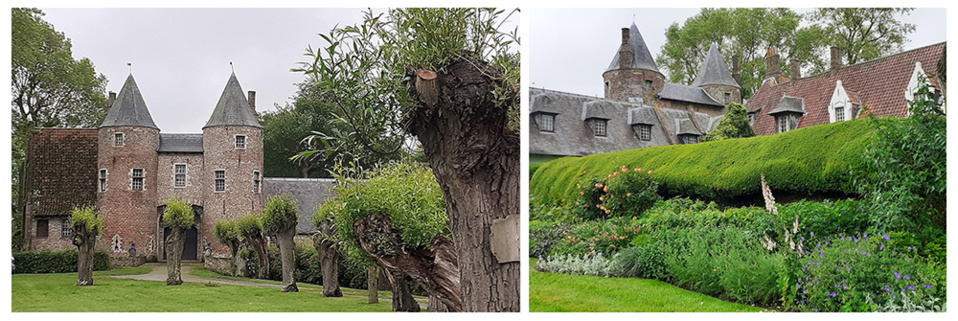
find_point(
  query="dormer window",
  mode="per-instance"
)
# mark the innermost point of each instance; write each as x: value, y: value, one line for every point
x: 117, y: 139
x: 689, y: 139
x: 751, y: 118
x: 839, y: 113
x: 642, y: 131
x: 781, y: 123
x: 598, y: 126
x: 240, y: 141
x: 545, y: 122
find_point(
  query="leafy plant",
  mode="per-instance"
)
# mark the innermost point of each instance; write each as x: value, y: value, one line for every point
x: 733, y: 125
x: 178, y: 213
x: 597, y: 265
x: 624, y: 192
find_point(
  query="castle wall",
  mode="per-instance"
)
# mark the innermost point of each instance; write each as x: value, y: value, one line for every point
x: 196, y: 181
x: 718, y: 93
x: 239, y: 198
x: 630, y: 83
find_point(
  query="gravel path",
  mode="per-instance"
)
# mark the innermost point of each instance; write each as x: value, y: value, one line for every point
x: 159, y: 274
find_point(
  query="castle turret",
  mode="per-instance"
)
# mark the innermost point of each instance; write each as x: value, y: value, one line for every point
x: 127, y: 185
x: 233, y: 153
x: 714, y: 77
x: 633, y: 75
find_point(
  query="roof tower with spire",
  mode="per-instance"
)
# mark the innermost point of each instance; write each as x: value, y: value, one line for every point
x: 129, y: 109
x: 713, y: 70
x: 233, y: 108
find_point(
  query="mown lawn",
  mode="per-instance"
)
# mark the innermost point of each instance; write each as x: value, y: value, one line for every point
x: 551, y: 292
x: 57, y: 293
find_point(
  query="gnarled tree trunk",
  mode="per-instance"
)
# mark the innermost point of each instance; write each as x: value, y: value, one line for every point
x: 287, y: 253
x: 85, y: 243
x: 402, y: 296
x: 258, y: 242
x: 174, y: 252
x: 372, y: 284
x: 435, y: 305
x: 328, y: 254
x: 435, y: 269
x: 475, y: 158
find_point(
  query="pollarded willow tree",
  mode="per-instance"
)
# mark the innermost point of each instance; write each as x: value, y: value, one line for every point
x: 86, y: 226
x: 450, y: 78
x: 279, y: 221
x: 251, y: 229
x: 328, y: 251
x: 228, y: 233
x: 178, y: 215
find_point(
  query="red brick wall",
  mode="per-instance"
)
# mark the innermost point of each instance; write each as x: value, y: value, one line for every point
x: 128, y: 213
x: 623, y: 84
x: 54, y: 240
x: 239, y: 164
x: 196, y: 181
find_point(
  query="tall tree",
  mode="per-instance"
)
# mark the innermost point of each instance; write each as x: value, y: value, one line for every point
x: 49, y: 88
x: 86, y: 226
x: 450, y: 78
x: 178, y: 215
x: 863, y: 33
x: 279, y: 221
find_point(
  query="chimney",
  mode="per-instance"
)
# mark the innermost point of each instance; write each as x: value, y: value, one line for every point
x: 795, y: 68
x: 252, y: 101
x: 836, y: 58
x: 625, y: 51
x: 736, y: 72
x: 772, y: 68
x: 109, y: 101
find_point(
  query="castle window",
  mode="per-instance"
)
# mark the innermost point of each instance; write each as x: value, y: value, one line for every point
x: 751, y: 118
x: 607, y: 89
x: 118, y: 139
x: 598, y: 126
x: 728, y: 98
x: 840, y: 114
x: 43, y: 228
x: 103, y: 180
x: 136, y: 182
x: 546, y: 122
x: 220, y: 178
x: 255, y: 181
x: 643, y: 131
x: 782, y: 123
x: 179, y: 175
x: 648, y: 85
x: 690, y: 139
x: 65, y: 228
x: 240, y: 141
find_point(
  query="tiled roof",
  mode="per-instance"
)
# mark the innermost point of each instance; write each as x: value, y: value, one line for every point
x: 62, y: 170
x: 879, y: 84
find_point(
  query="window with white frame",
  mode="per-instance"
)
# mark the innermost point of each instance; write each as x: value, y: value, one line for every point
x: 220, y: 180
x: 598, y: 126
x: 781, y: 123
x: 751, y: 118
x: 240, y: 141
x: 179, y: 175
x: 136, y: 179
x: 103, y: 179
x: 117, y: 139
x: 66, y: 230
x: 546, y: 122
x: 839, y: 113
x: 690, y: 139
x: 256, y: 182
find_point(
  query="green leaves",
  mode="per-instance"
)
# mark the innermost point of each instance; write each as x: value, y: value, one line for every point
x: 279, y: 215
x: 733, y: 125
x: 226, y: 231
x: 178, y: 213
x: 88, y: 219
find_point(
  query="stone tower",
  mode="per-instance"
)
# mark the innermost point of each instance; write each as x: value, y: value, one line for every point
x: 233, y: 154
x: 633, y: 75
x: 127, y: 185
x: 716, y: 80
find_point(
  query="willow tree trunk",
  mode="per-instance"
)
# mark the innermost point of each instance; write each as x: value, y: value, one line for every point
x: 474, y: 155
x: 174, y: 252
x: 372, y: 284
x: 434, y: 268
x: 435, y: 305
x: 287, y: 254
x: 85, y: 243
x: 258, y: 242
x: 403, y: 300
x: 329, y: 262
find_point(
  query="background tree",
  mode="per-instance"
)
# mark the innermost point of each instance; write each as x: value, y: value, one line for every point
x: 863, y: 33
x: 86, y: 225
x: 450, y: 78
x: 733, y: 125
x: 178, y: 215
x: 251, y: 229
x: 227, y: 232
x: 48, y: 89
x: 279, y: 221
x: 328, y: 251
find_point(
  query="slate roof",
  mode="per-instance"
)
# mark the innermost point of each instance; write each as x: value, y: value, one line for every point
x: 307, y: 192
x: 789, y: 104
x: 641, y: 56
x: 713, y: 70
x: 879, y: 84
x: 181, y: 143
x: 129, y: 109
x: 687, y: 93
x: 233, y: 108
x: 61, y: 170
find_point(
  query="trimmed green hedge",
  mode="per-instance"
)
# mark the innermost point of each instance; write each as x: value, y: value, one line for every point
x: 809, y: 160
x: 55, y: 262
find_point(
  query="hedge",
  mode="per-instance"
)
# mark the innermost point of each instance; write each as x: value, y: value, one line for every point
x: 55, y: 262
x: 817, y: 159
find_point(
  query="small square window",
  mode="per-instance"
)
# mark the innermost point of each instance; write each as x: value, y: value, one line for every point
x: 66, y: 230
x: 103, y: 180
x: 220, y: 181
x: 648, y: 85
x: 642, y: 131
x: 118, y: 139
x: 840, y: 114
x: 43, y: 228
x: 546, y: 122
x: 598, y: 126
x: 137, y: 179
x: 728, y: 98
x: 256, y: 182
x: 240, y: 142
x: 179, y: 175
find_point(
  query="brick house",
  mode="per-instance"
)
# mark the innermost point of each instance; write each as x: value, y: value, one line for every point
x: 639, y: 108
x: 127, y: 168
x: 881, y: 86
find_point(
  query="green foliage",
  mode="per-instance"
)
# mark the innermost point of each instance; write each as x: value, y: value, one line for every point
x: 226, y: 231
x: 279, y: 215
x: 250, y: 224
x: 545, y: 237
x: 550, y: 212
x: 904, y: 176
x: 405, y: 192
x: 178, y: 213
x: 55, y: 262
x: 589, y: 238
x: 733, y: 125
x: 825, y: 219
x: 597, y: 265
x: 823, y: 158
x: 862, y: 33
x: 87, y: 218
x: 533, y: 167
x: 629, y: 194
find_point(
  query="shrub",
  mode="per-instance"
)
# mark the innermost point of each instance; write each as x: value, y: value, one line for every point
x: 641, y: 261
x: 596, y: 265
x: 624, y: 192
x: 544, y: 237
x: 550, y: 212
x: 55, y: 262
x: 823, y: 158
x: 845, y: 217
x: 607, y: 237
x: 733, y: 125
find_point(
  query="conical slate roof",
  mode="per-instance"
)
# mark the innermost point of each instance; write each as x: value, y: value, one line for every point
x: 233, y: 109
x: 713, y: 71
x: 641, y: 57
x: 129, y: 109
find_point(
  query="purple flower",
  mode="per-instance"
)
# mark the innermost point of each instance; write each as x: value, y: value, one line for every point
x: 863, y: 252
x: 892, y: 295
x: 866, y: 236
x: 869, y: 255
x: 856, y: 240
x: 911, y: 287
x: 811, y: 233
x: 842, y: 238
x: 907, y: 277
x: 887, y: 288
x: 844, y: 251
x: 832, y: 294
x: 818, y: 244
x: 897, y: 276
x: 928, y: 286
x: 882, y: 247
x: 836, y: 285
x: 885, y: 236
x: 816, y: 309
x: 819, y: 263
x: 845, y: 287
x: 848, y: 268
x: 821, y: 254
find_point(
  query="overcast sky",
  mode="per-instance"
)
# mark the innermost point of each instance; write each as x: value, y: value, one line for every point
x: 181, y: 57
x: 570, y: 48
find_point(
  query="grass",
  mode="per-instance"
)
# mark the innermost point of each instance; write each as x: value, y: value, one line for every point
x: 57, y: 293
x: 204, y: 273
x: 550, y: 292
